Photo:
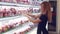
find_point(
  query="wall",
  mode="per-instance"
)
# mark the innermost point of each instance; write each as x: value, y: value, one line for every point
x: 58, y: 16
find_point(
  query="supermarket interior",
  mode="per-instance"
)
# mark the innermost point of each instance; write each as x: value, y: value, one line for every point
x: 12, y: 20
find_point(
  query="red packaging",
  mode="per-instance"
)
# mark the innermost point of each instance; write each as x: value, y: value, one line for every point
x: 1, y: 14
x: 6, y: 28
x: 13, y: 10
x: 8, y: 13
x: 21, y: 33
x: 21, y: 0
x: 25, y: 2
x: 3, y: 0
x: 4, y: 12
x: 17, y: 1
x: 7, y: 0
x: 21, y: 22
x: 3, y: 29
x: 0, y: 29
x: 11, y: 1
x: 11, y: 26
x: 26, y: 30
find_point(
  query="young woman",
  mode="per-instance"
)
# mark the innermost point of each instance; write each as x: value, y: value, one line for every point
x: 42, y: 18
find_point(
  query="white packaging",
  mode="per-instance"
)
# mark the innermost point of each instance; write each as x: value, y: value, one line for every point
x: 18, y: 12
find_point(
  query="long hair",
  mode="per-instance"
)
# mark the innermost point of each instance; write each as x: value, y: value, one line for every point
x: 47, y: 8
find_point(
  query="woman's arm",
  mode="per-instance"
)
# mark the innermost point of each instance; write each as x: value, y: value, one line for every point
x: 37, y: 20
x: 31, y: 15
x: 34, y: 16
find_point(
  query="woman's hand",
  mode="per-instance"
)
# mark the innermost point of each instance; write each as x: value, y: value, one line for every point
x: 27, y: 16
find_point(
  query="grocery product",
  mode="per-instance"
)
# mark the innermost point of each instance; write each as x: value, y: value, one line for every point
x: 0, y: 29
x: 4, y: 12
x: 18, y: 12
x: 14, y: 33
x: 17, y: 1
x: 6, y: 0
x: 21, y: 33
x: 27, y: 30
x: 1, y: 14
x: 21, y: 22
x: 13, y: 10
x: 4, y: 29
x: 30, y: 9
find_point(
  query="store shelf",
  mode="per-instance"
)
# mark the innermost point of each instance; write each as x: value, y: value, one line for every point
x: 12, y: 4
x: 14, y: 17
x: 9, y: 18
x: 34, y: 31
x: 13, y: 30
x: 20, y: 28
x: 16, y: 4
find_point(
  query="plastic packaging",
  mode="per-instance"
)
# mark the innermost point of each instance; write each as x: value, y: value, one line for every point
x: 1, y: 14
x: 13, y: 10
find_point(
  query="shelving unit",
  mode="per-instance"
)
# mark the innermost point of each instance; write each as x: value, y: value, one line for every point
x: 33, y: 31
x: 7, y: 19
x: 16, y: 4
